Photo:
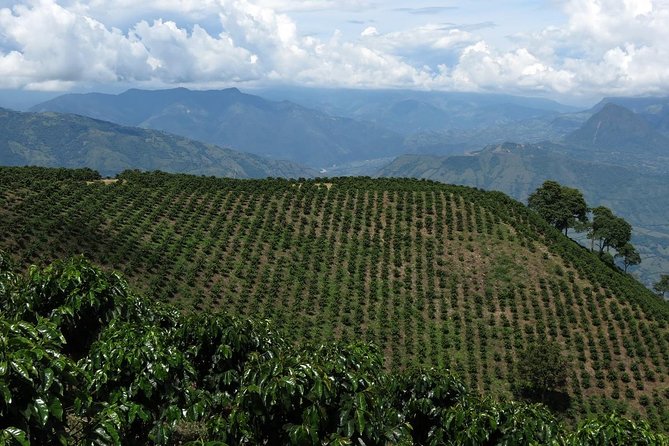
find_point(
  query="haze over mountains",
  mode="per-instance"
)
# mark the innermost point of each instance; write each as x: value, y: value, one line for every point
x: 65, y: 140
x: 329, y: 127
x: 279, y: 130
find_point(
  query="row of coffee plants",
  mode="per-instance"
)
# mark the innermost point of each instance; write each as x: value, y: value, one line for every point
x: 85, y: 361
x: 436, y: 275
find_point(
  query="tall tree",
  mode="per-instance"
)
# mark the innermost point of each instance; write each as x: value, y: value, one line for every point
x: 609, y: 230
x: 662, y: 286
x: 630, y: 255
x: 561, y: 206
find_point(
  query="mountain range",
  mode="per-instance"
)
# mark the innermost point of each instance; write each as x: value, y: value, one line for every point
x: 333, y: 129
x: 230, y: 118
x: 615, y: 132
x: 65, y: 140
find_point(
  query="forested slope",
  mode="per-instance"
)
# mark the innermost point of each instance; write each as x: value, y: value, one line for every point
x: 435, y: 275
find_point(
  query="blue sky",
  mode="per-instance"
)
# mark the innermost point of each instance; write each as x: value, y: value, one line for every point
x: 570, y: 50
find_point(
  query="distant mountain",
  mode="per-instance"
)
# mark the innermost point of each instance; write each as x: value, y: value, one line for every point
x: 617, y: 129
x: 279, y: 130
x: 65, y: 140
x: 410, y: 112
x: 655, y: 110
x: 518, y: 169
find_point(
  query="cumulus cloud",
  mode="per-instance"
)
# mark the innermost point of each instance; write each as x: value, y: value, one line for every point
x: 603, y: 47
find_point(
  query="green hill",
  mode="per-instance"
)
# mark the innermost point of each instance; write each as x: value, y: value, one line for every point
x: 64, y: 140
x: 518, y: 169
x: 433, y: 274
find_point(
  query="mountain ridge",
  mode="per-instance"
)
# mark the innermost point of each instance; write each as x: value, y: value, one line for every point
x: 616, y: 128
x: 67, y: 140
x: 276, y: 129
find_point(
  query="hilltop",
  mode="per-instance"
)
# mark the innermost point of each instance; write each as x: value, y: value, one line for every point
x: 434, y: 274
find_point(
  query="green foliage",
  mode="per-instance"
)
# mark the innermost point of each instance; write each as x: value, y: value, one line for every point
x: 37, y: 382
x: 609, y: 230
x: 435, y: 275
x: 541, y: 368
x: 561, y: 206
x: 215, y: 379
x: 615, y: 431
x: 662, y: 286
x: 630, y: 255
x: 325, y: 392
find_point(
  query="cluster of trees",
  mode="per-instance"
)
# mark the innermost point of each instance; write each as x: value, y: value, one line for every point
x: 564, y: 207
x: 85, y: 361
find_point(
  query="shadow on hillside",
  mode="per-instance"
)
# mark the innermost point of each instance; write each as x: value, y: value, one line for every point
x: 556, y: 401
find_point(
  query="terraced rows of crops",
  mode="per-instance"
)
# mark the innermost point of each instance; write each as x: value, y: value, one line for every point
x: 434, y: 274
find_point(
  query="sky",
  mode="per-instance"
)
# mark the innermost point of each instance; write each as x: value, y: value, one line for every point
x: 569, y: 50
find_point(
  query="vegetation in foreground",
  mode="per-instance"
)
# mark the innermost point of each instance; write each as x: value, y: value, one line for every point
x: 85, y: 361
x: 438, y: 276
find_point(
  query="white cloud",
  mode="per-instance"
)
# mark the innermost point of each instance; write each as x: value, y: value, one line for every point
x: 51, y: 46
x: 177, y: 55
x: 602, y: 47
x: 428, y: 36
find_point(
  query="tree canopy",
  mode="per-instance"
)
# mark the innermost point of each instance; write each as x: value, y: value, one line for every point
x: 542, y: 369
x: 662, y: 286
x: 609, y: 230
x: 561, y: 206
x: 629, y: 255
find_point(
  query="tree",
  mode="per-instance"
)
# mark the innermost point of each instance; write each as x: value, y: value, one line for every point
x: 541, y: 369
x: 629, y: 254
x: 609, y: 230
x: 561, y: 206
x: 662, y: 286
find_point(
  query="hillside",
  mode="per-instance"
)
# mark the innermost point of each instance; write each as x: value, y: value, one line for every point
x: 64, y: 140
x: 518, y: 169
x: 434, y: 274
x: 230, y: 118
x: 144, y: 373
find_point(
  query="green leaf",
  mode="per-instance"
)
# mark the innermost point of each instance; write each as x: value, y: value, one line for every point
x: 21, y: 370
x: 18, y: 435
x: 56, y: 408
x: 113, y: 433
x: 47, y: 378
x: 6, y: 394
x: 41, y: 410
x: 360, y: 420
